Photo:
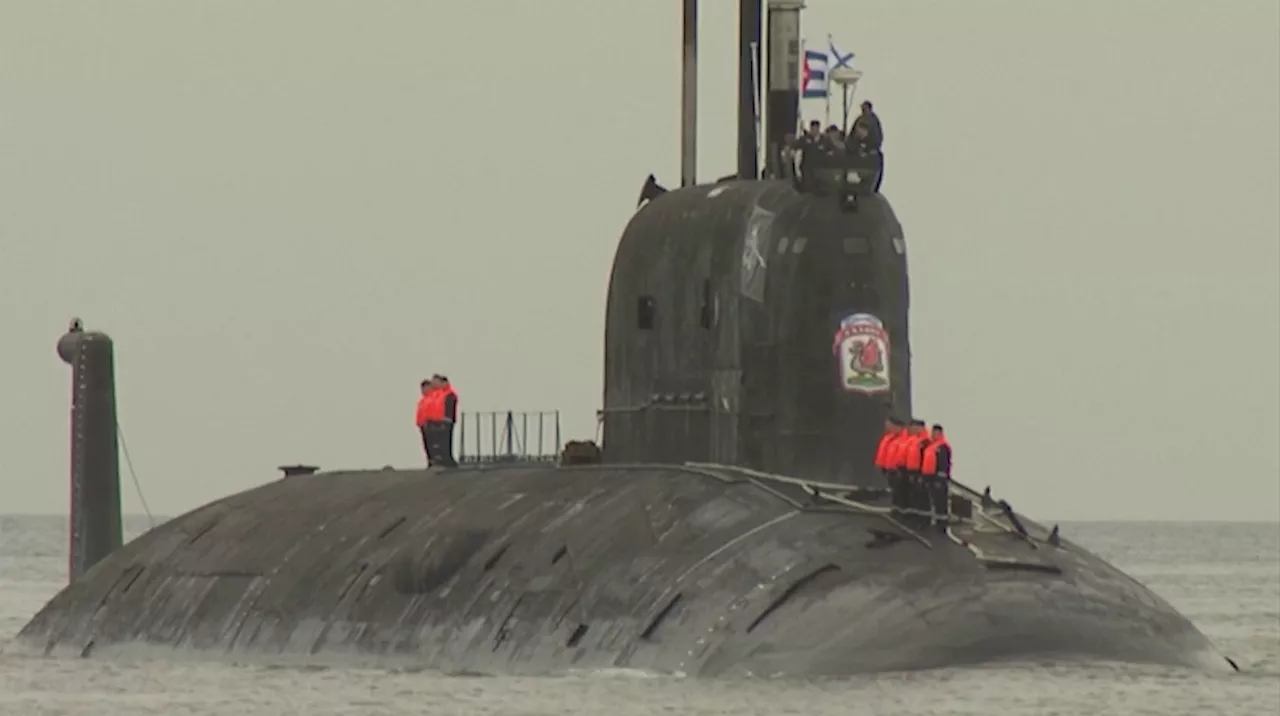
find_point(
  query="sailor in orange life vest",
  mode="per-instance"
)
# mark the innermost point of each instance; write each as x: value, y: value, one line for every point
x: 913, y: 453
x: 892, y: 431
x: 423, y: 413
x: 935, y: 470
x: 442, y: 414
x: 896, y: 461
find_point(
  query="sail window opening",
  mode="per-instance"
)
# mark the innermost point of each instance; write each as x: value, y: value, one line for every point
x: 707, y: 314
x: 856, y: 245
x: 646, y: 313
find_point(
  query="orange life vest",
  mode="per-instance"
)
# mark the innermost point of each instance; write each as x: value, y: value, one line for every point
x: 929, y: 465
x: 442, y: 399
x: 896, y: 456
x: 914, y: 446
x: 435, y: 406
x: 882, y: 452
x: 425, y: 407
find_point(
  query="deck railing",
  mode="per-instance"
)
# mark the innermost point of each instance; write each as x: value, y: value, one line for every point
x: 508, y: 436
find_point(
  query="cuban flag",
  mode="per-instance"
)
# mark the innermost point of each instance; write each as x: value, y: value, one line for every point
x: 813, y: 78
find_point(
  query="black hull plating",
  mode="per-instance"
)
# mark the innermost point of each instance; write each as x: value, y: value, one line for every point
x: 536, y: 570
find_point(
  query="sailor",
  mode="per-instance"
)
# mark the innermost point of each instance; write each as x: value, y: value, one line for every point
x: 913, y: 454
x: 892, y: 431
x: 870, y: 123
x: 833, y: 141
x: 809, y: 146
x: 862, y: 156
x: 443, y: 416
x: 935, y: 467
x: 421, y: 418
x: 896, y: 460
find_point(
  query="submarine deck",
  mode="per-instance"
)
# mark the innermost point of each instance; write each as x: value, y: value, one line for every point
x: 533, y: 568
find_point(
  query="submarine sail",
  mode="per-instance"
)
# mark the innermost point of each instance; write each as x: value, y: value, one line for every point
x: 724, y: 321
x: 731, y: 523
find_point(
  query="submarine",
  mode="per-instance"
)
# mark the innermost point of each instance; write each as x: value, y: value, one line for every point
x: 727, y: 521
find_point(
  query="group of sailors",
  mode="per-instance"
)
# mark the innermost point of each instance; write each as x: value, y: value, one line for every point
x: 817, y: 149
x: 917, y: 465
x: 436, y: 415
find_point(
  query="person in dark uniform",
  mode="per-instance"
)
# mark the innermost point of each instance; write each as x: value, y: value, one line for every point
x: 833, y: 141
x: 809, y: 148
x: 873, y: 139
x: 444, y: 417
x: 935, y: 468
x: 863, y: 156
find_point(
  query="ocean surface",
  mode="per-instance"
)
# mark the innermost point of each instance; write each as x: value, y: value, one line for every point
x: 1224, y: 577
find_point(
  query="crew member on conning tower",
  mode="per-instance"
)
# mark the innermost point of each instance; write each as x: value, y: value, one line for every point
x: 809, y: 147
x: 872, y: 140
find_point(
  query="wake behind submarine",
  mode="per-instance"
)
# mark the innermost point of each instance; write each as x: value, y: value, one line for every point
x: 731, y: 522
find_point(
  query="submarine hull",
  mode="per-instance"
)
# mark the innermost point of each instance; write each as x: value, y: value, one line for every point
x: 542, y: 569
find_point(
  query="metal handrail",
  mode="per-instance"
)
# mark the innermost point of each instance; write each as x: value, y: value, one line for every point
x: 508, y: 436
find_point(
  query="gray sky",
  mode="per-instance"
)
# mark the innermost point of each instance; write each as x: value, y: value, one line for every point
x: 287, y: 213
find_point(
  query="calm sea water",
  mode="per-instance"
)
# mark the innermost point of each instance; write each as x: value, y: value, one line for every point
x: 1225, y: 577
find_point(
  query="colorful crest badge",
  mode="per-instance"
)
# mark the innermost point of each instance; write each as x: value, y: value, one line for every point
x: 861, y: 348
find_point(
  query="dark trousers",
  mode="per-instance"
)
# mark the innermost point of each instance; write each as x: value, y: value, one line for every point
x: 910, y: 489
x: 426, y: 440
x: 918, y: 497
x: 939, y: 492
x: 439, y: 435
x: 895, y: 488
x: 904, y: 487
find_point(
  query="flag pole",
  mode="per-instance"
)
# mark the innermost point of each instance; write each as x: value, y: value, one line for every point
x: 755, y: 77
x: 804, y: 61
x: 830, y: 44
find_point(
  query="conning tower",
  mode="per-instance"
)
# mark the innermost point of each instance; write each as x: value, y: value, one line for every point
x: 753, y: 323
x: 724, y: 340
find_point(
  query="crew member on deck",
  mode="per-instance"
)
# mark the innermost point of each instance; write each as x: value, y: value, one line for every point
x: 896, y: 460
x: 892, y: 431
x: 913, y: 454
x: 423, y: 415
x: 935, y: 467
x: 444, y: 414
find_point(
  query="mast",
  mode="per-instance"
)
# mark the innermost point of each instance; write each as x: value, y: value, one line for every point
x: 782, y: 95
x: 689, y: 96
x: 749, y: 28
